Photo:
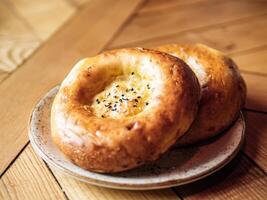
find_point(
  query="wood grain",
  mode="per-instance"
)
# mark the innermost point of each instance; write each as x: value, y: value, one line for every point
x: 229, y: 38
x: 78, y: 190
x: 44, y: 17
x: 160, y: 5
x: 256, y: 138
x: 29, y: 178
x: 238, y: 180
x: 49, y: 65
x: 155, y: 24
x: 252, y: 61
x: 257, y: 92
x: 16, y: 40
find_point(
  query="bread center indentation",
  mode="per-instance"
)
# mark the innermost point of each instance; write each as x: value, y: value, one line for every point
x: 127, y: 95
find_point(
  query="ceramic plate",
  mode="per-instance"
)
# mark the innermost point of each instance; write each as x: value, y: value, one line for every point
x: 178, y: 166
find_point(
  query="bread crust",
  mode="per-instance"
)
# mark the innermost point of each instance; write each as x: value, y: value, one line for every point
x: 112, y: 145
x: 223, y: 90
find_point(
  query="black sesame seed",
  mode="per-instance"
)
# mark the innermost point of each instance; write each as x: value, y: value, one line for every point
x: 120, y: 100
x: 134, y: 105
x: 132, y: 89
x: 110, y: 107
x: 122, y: 95
x: 138, y: 97
x: 136, y: 100
x: 117, y: 86
x: 147, y: 103
x: 102, y: 116
x: 127, y: 90
x: 132, y: 73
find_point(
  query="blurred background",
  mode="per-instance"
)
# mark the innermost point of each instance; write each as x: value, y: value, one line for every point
x: 237, y: 27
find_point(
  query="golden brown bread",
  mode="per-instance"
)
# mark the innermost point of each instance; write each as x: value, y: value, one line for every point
x: 122, y: 108
x: 222, y: 87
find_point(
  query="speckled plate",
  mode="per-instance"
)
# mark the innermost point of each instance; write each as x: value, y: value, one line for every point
x: 177, y: 167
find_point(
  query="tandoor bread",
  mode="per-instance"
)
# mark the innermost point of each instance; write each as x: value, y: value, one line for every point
x: 123, y: 108
x: 223, y: 90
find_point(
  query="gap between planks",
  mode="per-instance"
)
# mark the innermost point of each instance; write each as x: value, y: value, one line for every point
x: 54, y: 67
x: 175, y: 21
x: 240, y: 169
x: 24, y: 33
x: 38, y: 185
x: 240, y: 179
x: 206, y: 35
x: 254, y: 149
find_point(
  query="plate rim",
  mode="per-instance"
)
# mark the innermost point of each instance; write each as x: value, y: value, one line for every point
x: 127, y: 186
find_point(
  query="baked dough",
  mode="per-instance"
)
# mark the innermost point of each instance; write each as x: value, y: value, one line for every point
x: 222, y: 87
x: 123, y: 108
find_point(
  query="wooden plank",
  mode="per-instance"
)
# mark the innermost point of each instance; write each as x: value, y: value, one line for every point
x: 78, y: 190
x: 239, y: 180
x: 230, y: 38
x: 159, y: 5
x: 155, y: 24
x: 257, y: 92
x: 44, y: 17
x: 256, y: 138
x: 49, y: 65
x: 16, y: 40
x: 29, y: 178
x: 252, y: 61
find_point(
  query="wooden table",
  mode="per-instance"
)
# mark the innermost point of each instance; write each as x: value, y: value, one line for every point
x: 40, y: 41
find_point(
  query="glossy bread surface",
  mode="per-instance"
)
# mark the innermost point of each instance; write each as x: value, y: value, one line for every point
x: 123, y: 108
x: 223, y: 90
